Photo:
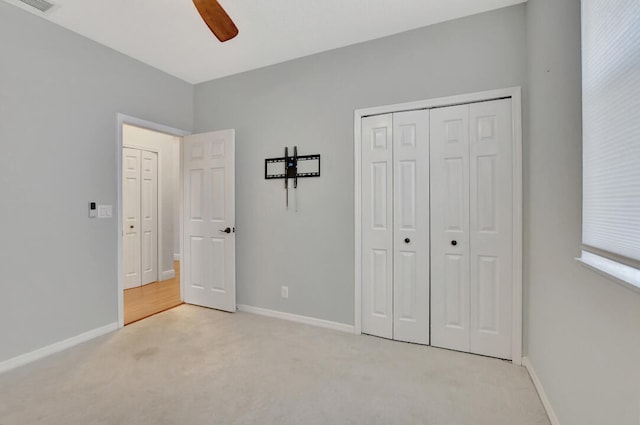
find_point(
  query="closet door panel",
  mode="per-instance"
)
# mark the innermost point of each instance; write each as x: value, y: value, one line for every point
x: 491, y: 228
x: 377, y: 225
x: 131, y: 229
x: 149, y: 216
x: 449, y: 168
x: 411, y: 226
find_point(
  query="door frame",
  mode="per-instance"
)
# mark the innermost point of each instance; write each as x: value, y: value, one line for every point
x: 149, y: 125
x: 515, y: 93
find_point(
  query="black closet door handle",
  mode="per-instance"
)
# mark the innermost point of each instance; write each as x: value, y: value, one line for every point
x: 454, y: 242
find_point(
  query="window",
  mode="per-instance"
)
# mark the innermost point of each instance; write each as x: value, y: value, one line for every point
x: 611, y: 137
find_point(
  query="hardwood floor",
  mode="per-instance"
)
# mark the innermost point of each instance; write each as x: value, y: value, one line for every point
x: 152, y: 298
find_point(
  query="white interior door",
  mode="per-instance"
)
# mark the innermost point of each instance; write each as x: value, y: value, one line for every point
x: 209, y: 220
x: 377, y: 225
x: 491, y: 228
x: 471, y: 228
x: 450, y: 227
x: 149, y: 216
x: 131, y: 217
x: 411, y: 226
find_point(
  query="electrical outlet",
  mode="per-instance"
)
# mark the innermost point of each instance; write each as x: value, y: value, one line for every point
x: 284, y: 291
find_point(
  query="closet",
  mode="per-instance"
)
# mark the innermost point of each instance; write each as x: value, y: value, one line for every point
x: 437, y: 226
x: 139, y: 217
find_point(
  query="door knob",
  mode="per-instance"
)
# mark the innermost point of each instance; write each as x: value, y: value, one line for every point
x: 131, y: 227
x: 407, y: 240
x: 454, y: 243
x: 227, y: 230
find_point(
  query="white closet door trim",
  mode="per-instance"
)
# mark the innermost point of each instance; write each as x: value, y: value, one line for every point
x: 515, y: 94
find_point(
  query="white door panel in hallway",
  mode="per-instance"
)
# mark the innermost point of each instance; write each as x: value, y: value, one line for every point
x: 131, y: 217
x: 209, y: 220
x: 140, y: 221
x: 149, y: 216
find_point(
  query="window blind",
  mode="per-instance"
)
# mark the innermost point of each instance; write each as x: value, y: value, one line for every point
x: 611, y: 128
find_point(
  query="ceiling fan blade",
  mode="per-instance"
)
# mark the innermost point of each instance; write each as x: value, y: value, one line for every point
x: 216, y: 19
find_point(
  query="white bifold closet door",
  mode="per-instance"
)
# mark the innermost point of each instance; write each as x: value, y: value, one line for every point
x: 140, y: 217
x: 395, y: 226
x: 471, y: 228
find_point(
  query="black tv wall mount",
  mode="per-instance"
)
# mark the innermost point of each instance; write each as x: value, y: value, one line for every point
x: 291, y: 167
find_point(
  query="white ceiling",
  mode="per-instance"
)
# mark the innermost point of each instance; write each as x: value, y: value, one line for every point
x: 170, y: 35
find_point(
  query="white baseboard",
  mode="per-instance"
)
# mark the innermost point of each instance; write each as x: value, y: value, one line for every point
x: 297, y: 318
x: 168, y: 274
x: 40, y: 353
x: 176, y: 257
x: 543, y: 395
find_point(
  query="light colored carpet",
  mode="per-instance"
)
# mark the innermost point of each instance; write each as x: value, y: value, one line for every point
x: 197, y: 366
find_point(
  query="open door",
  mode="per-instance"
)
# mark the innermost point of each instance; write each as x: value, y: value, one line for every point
x: 209, y: 220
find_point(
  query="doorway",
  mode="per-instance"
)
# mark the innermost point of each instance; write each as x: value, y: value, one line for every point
x: 149, y: 218
x: 150, y: 198
x: 203, y: 210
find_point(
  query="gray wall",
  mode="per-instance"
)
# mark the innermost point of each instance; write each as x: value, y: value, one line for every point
x: 309, y: 102
x: 583, y: 329
x: 59, y: 96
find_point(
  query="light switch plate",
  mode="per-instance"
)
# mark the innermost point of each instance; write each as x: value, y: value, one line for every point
x: 105, y: 211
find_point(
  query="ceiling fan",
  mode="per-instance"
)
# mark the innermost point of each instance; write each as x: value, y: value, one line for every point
x: 216, y: 19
